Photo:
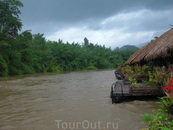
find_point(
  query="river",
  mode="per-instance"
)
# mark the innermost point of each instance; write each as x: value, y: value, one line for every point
x: 74, y: 100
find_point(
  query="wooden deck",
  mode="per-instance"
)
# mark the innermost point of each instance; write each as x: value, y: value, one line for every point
x: 122, y: 88
x: 127, y: 90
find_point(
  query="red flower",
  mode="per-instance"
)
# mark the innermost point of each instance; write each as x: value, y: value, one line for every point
x: 168, y: 89
x: 170, y: 84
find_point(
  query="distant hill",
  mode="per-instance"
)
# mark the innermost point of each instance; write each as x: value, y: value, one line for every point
x: 142, y: 44
x: 131, y: 47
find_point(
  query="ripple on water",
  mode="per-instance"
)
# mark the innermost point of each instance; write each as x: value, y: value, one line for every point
x: 35, y: 102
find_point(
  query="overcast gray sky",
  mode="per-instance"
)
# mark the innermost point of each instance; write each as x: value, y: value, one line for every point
x: 112, y: 23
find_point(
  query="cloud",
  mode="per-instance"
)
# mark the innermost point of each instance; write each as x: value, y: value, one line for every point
x: 70, y: 11
x: 109, y: 38
x: 133, y: 28
x: 106, y: 22
x: 143, y: 20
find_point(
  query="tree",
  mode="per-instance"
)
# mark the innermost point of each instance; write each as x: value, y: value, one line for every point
x: 86, y: 41
x: 10, y: 23
x: 3, y: 67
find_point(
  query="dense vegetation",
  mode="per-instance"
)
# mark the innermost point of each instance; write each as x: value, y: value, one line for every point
x: 27, y: 53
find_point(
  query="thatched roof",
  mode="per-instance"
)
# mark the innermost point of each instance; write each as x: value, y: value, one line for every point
x: 134, y: 56
x: 161, y: 47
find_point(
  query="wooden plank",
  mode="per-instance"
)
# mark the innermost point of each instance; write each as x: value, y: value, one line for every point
x: 144, y: 90
x: 137, y: 91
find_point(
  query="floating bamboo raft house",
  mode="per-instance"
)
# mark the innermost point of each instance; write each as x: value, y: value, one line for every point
x: 160, y: 51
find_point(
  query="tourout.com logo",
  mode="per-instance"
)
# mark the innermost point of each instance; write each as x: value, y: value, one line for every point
x: 86, y: 125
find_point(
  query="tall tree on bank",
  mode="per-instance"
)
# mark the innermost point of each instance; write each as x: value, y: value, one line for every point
x: 86, y: 41
x: 10, y: 23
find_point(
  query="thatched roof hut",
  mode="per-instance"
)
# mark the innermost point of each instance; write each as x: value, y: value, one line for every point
x: 135, y: 56
x: 161, y: 47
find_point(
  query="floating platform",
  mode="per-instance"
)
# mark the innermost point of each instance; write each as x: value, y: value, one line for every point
x: 122, y: 89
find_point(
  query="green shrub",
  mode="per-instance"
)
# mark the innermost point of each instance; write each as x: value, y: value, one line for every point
x: 91, y: 68
x: 3, y: 67
x: 14, y: 71
x: 27, y: 69
x: 160, y: 119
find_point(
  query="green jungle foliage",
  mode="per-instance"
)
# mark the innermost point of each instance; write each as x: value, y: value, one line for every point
x: 28, y: 53
x: 160, y: 119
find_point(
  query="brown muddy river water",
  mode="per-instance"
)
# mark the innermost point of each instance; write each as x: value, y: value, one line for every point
x: 75, y: 100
